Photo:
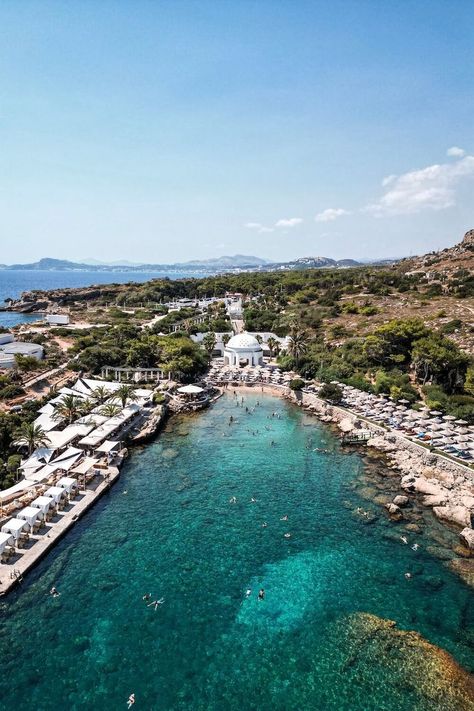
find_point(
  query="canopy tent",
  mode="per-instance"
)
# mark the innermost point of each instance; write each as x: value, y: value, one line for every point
x: 13, y: 491
x: 67, y: 484
x: 190, y: 390
x: 56, y: 493
x: 47, y: 422
x: 42, y: 503
x: 84, y: 466
x: 6, y: 539
x: 108, y: 446
x: 39, y: 458
x: 30, y: 514
x: 15, y: 526
x: 98, y: 435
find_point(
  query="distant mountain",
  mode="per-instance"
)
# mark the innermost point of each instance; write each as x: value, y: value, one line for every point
x: 216, y: 264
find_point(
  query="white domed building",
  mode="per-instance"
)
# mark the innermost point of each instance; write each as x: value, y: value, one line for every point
x: 243, y: 349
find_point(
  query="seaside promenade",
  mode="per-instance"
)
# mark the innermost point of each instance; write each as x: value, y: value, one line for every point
x: 41, y: 542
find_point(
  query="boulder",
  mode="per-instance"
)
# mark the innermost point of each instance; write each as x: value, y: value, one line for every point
x: 394, y: 511
x: 453, y: 514
x: 434, y: 500
x: 401, y: 500
x: 467, y: 537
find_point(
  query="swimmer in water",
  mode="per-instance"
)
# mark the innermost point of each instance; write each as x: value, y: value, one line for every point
x: 284, y: 518
x: 415, y: 547
x: 146, y: 597
x: 54, y: 592
x: 408, y: 576
x: 248, y: 592
x: 125, y: 492
x: 261, y: 594
x: 232, y: 500
x: 264, y: 524
x: 253, y: 501
x: 404, y: 539
x: 287, y: 535
x: 131, y: 700
x: 155, y: 603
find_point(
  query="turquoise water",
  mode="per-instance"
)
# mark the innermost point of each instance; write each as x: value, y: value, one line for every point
x: 167, y: 528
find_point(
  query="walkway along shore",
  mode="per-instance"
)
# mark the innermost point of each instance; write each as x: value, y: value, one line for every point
x: 445, y: 486
x: 53, y: 531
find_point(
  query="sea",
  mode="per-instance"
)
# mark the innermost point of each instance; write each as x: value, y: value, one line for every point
x: 308, y: 527
x: 13, y: 283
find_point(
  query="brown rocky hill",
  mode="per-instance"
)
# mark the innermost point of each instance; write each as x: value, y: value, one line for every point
x: 445, y: 262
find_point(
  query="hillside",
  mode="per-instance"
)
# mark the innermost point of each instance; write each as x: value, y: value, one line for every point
x: 446, y: 263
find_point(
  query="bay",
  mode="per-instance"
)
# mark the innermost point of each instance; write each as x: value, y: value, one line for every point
x: 168, y: 528
x: 14, y: 282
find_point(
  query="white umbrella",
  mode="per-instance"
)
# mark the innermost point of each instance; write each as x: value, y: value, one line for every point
x: 448, y: 418
x: 435, y: 413
x: 461, y: 422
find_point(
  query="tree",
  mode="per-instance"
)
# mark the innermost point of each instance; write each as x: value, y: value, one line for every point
x: 110, y: 409
x: 298, y: 343
x: 272, y: 344
x: 226, y: 338
x: 69, y: 408
x: 209, y: 343
x: 259, y: 338
x: 125, y: 393
x: 100, y: 395
x: 439, y: 360
x: 331, y: 392
x: 31, y: 436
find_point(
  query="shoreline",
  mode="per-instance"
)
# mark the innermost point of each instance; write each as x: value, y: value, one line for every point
x: 12, y: 575
x: 445, y: 486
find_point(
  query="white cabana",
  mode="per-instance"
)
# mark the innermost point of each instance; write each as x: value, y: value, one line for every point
x: 67, y: 484
x: 15, y: 526
x: 56, y: 493
x: 43, y: 503
x: 31, y: 515
x: 6, y: 539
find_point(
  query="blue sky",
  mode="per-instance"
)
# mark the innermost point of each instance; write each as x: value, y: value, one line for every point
x: 167, y: 131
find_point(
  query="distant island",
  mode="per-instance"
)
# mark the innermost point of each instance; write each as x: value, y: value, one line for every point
x: 236, y: 263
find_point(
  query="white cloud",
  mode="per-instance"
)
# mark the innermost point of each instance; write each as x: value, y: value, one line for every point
x: 389, y: 179
x: 332, y: 213
x: 258, y: 227
x: 455, y: 152
x: 431, y: 188
x: 289, y: 222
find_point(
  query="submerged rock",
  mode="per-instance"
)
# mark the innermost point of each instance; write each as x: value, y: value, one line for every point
x: 375, y: 649
x: 467, y: 537
x: 401, y: 500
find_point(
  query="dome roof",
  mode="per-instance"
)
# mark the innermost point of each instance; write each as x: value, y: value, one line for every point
x: 244, y: 341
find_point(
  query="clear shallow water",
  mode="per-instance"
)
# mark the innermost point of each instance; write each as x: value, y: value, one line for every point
x: 175, y: 534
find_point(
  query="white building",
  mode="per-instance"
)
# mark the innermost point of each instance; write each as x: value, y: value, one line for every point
x: 9, y: 348
x: 243, y: 349
x: 57, y: 319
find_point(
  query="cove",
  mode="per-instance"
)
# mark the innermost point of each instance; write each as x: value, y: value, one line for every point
x: 317, y: 640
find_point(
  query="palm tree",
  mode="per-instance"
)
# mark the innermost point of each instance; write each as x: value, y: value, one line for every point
x: 31, y: 436
x: 272, y: 344
x: 209, y: 343
x: 226, y: 338
x: 100, y: 394
x: 125, y: 393
x: 298, y: 344
x: 69, y: 408
x: 110, y: 409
